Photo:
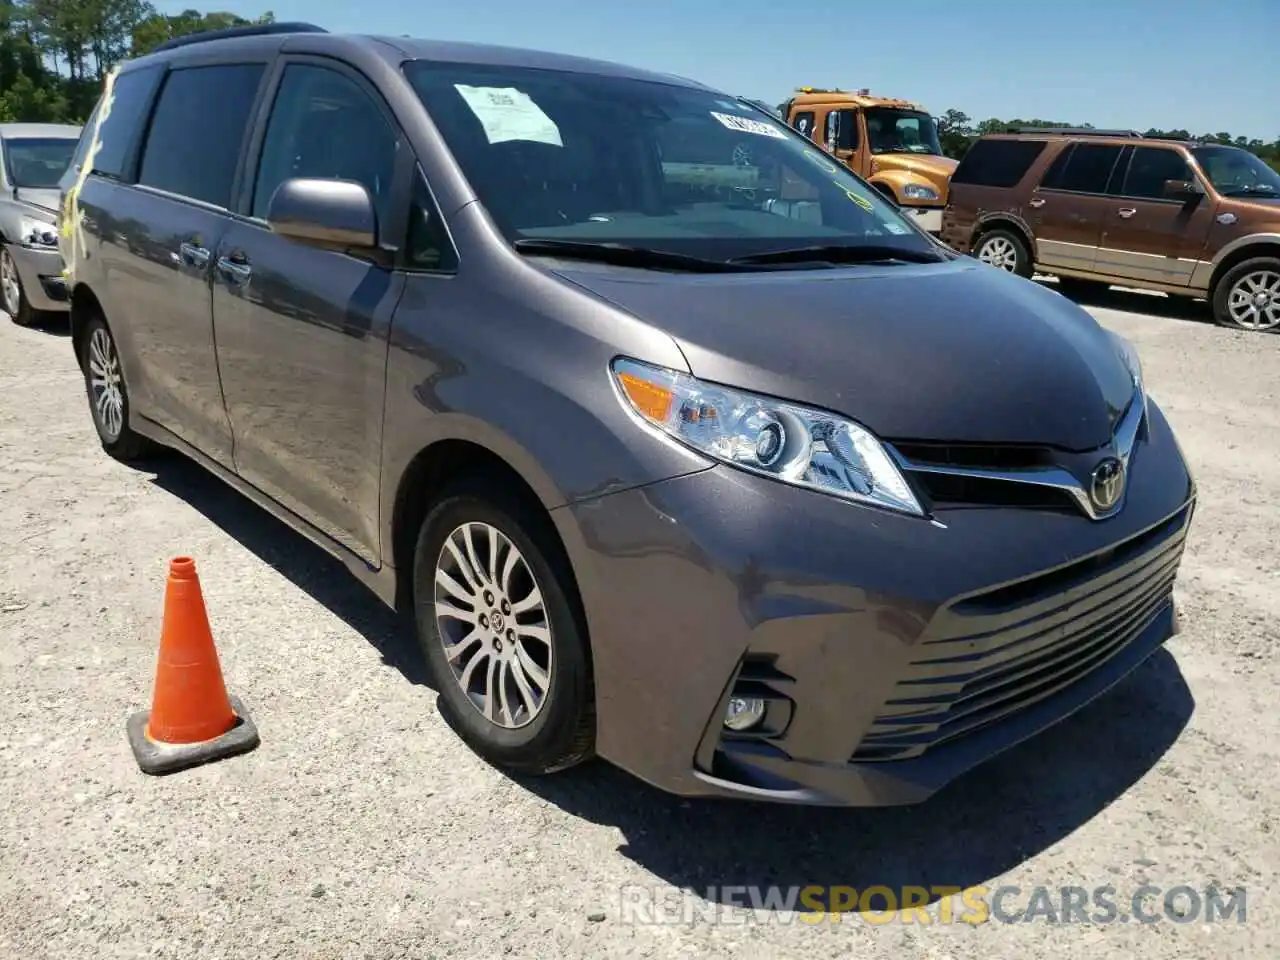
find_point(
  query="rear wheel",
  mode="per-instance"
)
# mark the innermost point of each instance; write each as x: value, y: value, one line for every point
x: 496, y: 616
x: 14, y: 297
x: 1248, y: 296
x: 108, y: 395
x: 1004, y: 250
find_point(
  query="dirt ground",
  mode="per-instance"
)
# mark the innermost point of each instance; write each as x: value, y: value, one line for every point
x: 362, y: 828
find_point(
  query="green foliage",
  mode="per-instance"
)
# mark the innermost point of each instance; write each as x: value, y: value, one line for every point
x: 957, y: 131
x: 54, y: 54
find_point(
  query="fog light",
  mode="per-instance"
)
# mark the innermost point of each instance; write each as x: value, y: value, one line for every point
x: 743, y: 713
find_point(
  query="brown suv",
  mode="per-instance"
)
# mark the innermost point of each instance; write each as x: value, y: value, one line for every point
x: 1097, y: 207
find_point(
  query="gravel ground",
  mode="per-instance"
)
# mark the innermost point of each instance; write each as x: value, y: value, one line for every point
x: 361, y: 827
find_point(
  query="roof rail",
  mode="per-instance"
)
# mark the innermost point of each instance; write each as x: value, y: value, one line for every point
x: 1075, y: 132
x: 249, y: 30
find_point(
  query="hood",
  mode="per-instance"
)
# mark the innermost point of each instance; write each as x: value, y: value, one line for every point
x: 954, y: 352
x: 44, y: 201
x: 935, y: 168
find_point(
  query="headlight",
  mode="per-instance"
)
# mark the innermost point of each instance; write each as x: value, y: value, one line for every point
x: 794, y: 444
x: 38, y: 233
x: 919, y: 191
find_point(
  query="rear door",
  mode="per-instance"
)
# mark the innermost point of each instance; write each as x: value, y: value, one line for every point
x: 1148, y: 237
x: 165, y: 238
x: 302, y: 332
x: 1069, y: 207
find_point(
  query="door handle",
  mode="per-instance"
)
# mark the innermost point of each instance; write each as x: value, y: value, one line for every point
x: 1126, y: 212
x: 1037, y: 202
x: 236, y: 271
x: 193, y: 255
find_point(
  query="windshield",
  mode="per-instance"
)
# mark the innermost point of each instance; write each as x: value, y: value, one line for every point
x: 600, y: 159
x: 1237, y: 173
x: 38, y: 164
x: 902, y: 131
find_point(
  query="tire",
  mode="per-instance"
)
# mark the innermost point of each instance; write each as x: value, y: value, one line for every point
x: 1259, y: 278
x: 529, y: 735
x: 1078, y: 287
x: 1004, y: 250
x: 14, y: 300
x: 99, y: 361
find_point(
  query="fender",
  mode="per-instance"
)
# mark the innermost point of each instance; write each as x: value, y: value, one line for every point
x: 988, y: 218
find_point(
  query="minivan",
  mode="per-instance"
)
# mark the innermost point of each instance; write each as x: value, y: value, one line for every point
x: 683, y: 446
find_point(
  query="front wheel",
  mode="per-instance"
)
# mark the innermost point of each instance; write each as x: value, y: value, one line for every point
x: 506, y: 650
x: 1004, y: 250
x: 108, y: 395
x: 15, y: 300
x: 1248, y: 297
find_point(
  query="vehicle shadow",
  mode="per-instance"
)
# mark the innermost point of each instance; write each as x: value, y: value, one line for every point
x: 1133, y: 301
x: 978, y: 828
x: 55, y: 324
x: 303, y: 563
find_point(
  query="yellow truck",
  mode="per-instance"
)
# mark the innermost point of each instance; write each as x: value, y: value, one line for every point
x: 893, y: 144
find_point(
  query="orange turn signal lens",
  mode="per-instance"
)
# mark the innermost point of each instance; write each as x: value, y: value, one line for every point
x: 649, y: 399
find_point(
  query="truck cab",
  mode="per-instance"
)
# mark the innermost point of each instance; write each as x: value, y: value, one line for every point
x: 893, y: 144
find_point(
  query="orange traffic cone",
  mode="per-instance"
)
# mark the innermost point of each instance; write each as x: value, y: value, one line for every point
x: 192, y: 719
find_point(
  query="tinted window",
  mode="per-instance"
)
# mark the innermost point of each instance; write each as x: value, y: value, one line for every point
x: 1086, y: 170
x: 1150, y: 168
x: 198, y: 129
x: 428, y: 246
x: 324, y: 125
x: 589, y: 157
x: 130, y: 102
x: 804, y: 123
x: 997, y: 163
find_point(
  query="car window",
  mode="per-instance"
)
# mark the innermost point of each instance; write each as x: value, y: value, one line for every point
x: 998, y: 163
x: 428, y: 246
x: 37, y: 163
x: 130, y: 101
x: 803, y: 122
x: 324, y: 125
x: 846, y: 137
x: 1086, y: 170
x: 586, y: 157
x: 198, y: 129
x: 1150, y: 168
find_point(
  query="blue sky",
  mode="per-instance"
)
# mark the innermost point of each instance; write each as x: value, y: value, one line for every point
x: 1113, y: 63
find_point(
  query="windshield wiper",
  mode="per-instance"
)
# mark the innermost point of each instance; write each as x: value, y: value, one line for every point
x: 622, y: 255
x: 866, y: 253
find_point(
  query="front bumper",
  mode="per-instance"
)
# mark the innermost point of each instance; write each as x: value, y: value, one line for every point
x: 899, y: 653
x: 41, y: 271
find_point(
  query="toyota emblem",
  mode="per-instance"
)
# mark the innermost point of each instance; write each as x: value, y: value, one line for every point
x: 1107, y: 484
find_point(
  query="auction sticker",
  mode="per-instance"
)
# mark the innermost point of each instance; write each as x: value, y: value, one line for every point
x: 747, y: 125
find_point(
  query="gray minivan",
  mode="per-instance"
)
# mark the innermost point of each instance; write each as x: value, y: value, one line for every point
x: 684, y: 447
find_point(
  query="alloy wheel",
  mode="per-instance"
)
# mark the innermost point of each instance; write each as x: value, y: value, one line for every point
x: 493, y: 623
x: 10, y: 285
x: 1254, y: 300
x: 999, y: 252
x: 105, y: 384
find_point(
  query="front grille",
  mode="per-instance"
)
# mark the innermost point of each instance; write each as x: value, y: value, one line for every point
x: 988, y: 656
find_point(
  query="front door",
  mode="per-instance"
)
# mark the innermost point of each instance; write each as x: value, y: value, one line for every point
x: 1069, y: 207
x: 302, y: 332
x: 1148, y: 237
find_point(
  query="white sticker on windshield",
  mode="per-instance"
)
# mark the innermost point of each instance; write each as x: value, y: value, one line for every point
x: 897, y: 228
x: 508, y: 114
x: 747, y: 125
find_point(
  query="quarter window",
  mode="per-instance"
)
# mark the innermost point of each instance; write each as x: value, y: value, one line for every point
x: 323, y: 125
x: 428, y: 246
x: 1150, y: 168
x: 1086, y: 169
x: 998, y: 163
x: 198, y: 130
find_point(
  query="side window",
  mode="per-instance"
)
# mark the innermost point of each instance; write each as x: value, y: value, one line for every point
x: 1087, y: 170
x: 846, y: 136
x: 324, y: 125
x: 427, y: 246
x: 803, y: 123
x: 1150, y: 168
x: 198, y: 130
x: 998, y: 163
x: 1052, y: 179
x: 130, y: 101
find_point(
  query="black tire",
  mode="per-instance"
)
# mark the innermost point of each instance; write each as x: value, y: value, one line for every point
x: 1221, y: 299
x: 1079, y: 287
x: 562, y: 731
x: 123, y: 444
x: 23, y: 315
x: 1021, y: 264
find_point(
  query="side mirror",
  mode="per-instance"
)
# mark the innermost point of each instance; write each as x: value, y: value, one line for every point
x: 1182, y: 189
x: 332, y: 214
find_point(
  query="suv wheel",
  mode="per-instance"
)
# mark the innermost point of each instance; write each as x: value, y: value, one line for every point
x: 14, y: 297
x: 1248, y: 297
x: 108, y: 395
x: 1004, y: 249
x: 506, y: 651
